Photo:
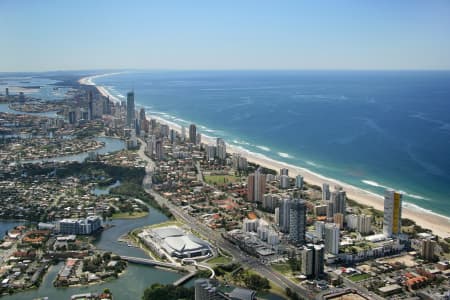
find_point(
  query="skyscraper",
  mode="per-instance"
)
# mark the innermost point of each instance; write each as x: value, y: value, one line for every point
x: 284, y: 213
x: 297, y: 221
x: 392, y: 223
x: 325, y: 191
x: 221, y: 149
x: 299, y: 181
x: 332, y: 238
x: 142, y: 114
x: 319, y: 229
x: 284, y: 182
x: 339, y: 199
x: 428, y: 248
x: 183, y: 133
x: 193, y: 133
x: 256, y: 186
x: 159, y: 150
x: 130, y: 109
x: 312, y: 257
x: 318, y: 260
x: 172, y: 136
x: 90, y: 105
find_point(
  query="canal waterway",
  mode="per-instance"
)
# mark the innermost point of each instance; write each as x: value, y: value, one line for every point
x: 98, y: 190
x: 130, y: 285
x: 111, y: 145
x: 5, y: 108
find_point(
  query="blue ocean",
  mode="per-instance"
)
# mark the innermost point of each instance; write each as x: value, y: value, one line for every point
x: 371, y: 129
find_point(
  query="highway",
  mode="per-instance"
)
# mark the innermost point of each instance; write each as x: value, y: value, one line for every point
x: 215, y: 237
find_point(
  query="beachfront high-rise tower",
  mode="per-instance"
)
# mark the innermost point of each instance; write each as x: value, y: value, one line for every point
x: 297, y: 221
x: 130, y: 109
x: 193, y: 134
x: 256, y: 186
x: 392, y: 223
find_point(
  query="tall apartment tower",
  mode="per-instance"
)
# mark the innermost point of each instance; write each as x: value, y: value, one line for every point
x: 325, y: 191
x: 284, y: 213
x: 297, y: 221
x: 392, y: 223
x: 332, y: 238
x: 193, y: 134
x: 428, y: 248
x: 130, y: 109
x: 221, y: 149
x: 299, y: 181
x: 90, y: 105
x: 256, y: 186
x: 339, y: 199
x: 312, y: 257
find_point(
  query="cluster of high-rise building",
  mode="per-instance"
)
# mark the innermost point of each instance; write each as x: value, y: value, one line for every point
x: 218, y: 151
x: 239, y: 162
x: 96, y: 107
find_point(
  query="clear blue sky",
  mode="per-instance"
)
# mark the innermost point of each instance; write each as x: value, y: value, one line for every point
x: 241, y: 34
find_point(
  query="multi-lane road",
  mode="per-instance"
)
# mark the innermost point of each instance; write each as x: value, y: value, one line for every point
x: 216, y: 238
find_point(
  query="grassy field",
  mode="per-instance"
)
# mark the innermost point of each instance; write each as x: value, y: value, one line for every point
x: 125, y: 215
x: 359, y: 277
x: 220, y: 260
x: 220, y: 179
x: 282, y: 268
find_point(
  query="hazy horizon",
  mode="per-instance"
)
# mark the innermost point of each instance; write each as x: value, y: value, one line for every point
x: 233, y: 35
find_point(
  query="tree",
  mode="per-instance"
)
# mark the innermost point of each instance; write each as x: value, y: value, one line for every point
x: 256, y: 282
x: 168, y: 292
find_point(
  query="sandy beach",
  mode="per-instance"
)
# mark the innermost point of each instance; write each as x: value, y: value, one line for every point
x: 440, y: 225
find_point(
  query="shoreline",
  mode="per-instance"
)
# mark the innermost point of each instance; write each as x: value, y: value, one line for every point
x: 438, y: 224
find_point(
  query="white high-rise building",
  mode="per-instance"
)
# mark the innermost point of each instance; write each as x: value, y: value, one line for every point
x: 319, y: 229
x: 221, y: 149
x: 272, y: 238
x: 332, y: 238
x: 284, y: 181
x: 250, y: 225
x: 210, y: 152
x: 392, y: 223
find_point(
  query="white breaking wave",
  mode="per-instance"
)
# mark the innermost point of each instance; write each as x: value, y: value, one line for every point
x: 285, y: 155
x: 311, y: 163
x: 263, y: 148
x: 376, y: 184
x: 241, y: 142
x: 373, y: 183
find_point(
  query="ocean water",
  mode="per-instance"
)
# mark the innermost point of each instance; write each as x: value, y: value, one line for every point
x: 371, y: 129
x: 49, y: 90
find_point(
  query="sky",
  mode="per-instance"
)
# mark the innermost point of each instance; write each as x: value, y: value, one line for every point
x: 233, y: 34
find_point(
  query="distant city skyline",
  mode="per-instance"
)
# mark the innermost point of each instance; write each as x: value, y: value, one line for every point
x: 251, y: 35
